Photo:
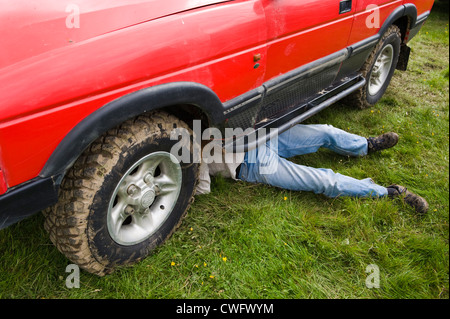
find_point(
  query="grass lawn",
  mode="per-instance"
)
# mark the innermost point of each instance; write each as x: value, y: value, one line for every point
x: 255, y: 241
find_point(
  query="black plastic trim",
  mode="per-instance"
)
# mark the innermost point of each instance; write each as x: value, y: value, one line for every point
x: 408, y: 10
x: 243, y: 101
x: 127, y: 107
x: 307, y: 70
x: 366, y: 44
x: 395, y: 15
x: 421, y: 19
x: 27, y: 199
x: 419, y: 23
x: 300, y: 114
x: 345, y: 6
x: 411, y: 12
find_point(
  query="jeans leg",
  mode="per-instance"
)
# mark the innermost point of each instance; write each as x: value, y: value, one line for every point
x: 304, y: 139
x: 263, y: 165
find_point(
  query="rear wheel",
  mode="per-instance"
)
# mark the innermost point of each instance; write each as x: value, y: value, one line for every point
x: 378, y: 69
x: 124, y: 196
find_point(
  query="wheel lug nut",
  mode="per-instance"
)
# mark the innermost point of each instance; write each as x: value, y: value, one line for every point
x: 129, y: 210
x: 132, y: 190
x: 148, y: 179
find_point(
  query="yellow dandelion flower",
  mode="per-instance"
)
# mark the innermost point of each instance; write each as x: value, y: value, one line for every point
x: 204, y: 264
x: 172, y: 263
x: 285, y: 198
x: 191, y: 229
x: 224, y: 258
x: 212, y: 277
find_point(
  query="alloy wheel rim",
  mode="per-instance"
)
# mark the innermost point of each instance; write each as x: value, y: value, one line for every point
x: 381, y: 69
x: 144, y: 198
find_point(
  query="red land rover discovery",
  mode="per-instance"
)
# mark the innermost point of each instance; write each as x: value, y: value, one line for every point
x: 90, y: 91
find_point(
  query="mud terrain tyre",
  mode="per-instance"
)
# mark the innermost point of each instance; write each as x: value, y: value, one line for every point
x: 123, y: 197
x: 378, y: 69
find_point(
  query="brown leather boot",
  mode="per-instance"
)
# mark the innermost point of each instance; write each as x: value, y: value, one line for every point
x: 382, y: 142
x: 414, y: 200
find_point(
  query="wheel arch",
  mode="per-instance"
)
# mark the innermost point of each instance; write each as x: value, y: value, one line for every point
x: 404, y: 17
x: 186, y: 100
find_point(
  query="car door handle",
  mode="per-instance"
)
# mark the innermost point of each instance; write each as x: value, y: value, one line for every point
x: 345, y: 6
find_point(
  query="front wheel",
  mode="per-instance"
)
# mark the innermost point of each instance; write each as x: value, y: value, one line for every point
x: 124, y: 196
x: 378, y: 69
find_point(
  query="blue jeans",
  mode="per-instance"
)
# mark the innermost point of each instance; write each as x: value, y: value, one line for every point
x: 268, y: 164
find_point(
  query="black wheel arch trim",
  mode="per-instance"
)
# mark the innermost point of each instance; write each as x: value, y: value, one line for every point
x: 408, y: 10
x: 127, y: 107
x: 411, y: 12
x: 421, y: 19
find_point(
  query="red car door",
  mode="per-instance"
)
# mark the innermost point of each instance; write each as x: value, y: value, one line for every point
x: 299, y: 34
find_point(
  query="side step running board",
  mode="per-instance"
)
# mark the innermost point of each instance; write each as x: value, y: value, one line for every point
x: 272, y: 129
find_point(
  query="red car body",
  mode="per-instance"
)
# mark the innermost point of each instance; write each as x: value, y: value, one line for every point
x: 57, y: 71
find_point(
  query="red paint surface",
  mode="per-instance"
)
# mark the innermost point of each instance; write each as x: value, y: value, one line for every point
x: 52, y: 77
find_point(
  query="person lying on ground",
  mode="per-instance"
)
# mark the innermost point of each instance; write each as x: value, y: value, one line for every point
x: 269, y: 164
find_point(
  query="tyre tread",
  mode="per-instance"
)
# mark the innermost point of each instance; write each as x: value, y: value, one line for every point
x: 66, y: 222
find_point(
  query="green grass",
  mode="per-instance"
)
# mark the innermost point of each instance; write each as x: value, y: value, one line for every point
x: 255, y: 241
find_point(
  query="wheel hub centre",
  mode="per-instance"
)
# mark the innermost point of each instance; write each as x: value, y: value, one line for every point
x: 147, y: 198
